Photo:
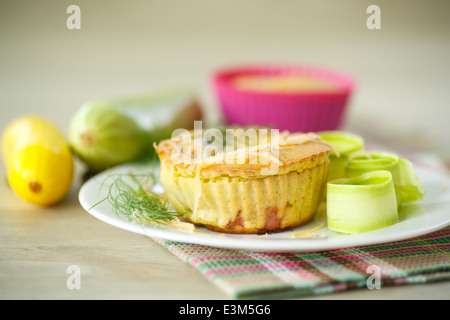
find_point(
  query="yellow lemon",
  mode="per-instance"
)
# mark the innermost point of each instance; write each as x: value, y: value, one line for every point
x: 38, y: 160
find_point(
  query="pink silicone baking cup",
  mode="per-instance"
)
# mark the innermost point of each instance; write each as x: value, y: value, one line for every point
x: 295, y: 112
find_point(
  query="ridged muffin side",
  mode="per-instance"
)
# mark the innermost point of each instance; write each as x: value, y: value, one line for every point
x: 234, y: 204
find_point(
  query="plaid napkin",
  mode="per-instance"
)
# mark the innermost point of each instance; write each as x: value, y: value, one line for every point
x: 257, y: 275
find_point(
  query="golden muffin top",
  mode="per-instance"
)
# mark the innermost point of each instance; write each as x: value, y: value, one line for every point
x: 241, y: 152
x: 283, y: 83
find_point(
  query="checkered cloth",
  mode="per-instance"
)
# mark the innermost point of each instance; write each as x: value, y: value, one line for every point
x: 257, y: 275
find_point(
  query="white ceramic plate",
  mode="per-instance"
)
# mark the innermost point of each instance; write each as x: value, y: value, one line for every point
x: 419, y: 218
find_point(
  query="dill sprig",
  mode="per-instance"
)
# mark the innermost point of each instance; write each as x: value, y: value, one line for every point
x: 130, y: 195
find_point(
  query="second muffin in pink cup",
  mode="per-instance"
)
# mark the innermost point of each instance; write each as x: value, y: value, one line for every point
x: 293, y: 98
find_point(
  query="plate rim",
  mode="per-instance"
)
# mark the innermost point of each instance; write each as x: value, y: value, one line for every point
x: 235, y: 241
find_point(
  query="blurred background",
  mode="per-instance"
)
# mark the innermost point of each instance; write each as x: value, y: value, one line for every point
x: 127, y: 47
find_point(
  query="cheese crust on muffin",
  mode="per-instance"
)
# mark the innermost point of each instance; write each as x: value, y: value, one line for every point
x: 248, y: 196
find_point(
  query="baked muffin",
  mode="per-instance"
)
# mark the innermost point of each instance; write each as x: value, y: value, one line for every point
x: 288, y: 97
x: 284, y: 84
x: 268, y: 185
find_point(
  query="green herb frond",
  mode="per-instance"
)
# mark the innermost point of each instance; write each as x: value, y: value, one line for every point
x: 130, y: 195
